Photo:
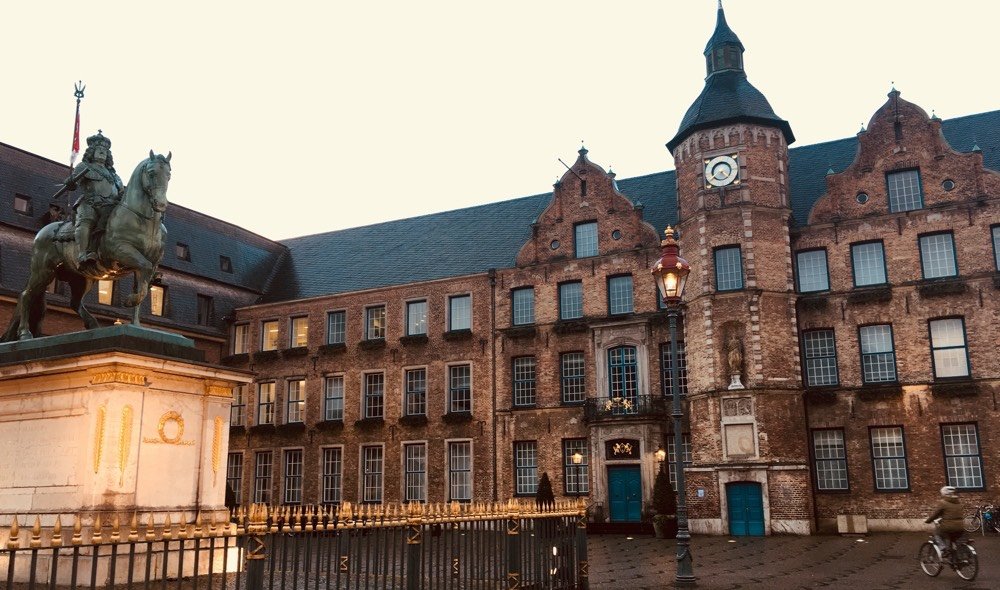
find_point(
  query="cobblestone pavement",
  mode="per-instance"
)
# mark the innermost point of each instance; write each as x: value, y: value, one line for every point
x: 874, y: 562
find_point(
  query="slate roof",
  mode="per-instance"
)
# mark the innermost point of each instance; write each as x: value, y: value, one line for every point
x: 722, y: 34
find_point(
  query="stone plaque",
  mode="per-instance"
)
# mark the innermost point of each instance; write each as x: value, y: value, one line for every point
x: 737, y: 406
x: 622, y: 448
x: 740, y: 440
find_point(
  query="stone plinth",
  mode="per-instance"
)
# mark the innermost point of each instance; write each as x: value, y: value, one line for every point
x: 119, y: 419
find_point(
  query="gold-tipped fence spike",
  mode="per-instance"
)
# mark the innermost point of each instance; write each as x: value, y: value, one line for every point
x: 211, y: 524
x: 182, y: 529
x: 36, y: 533
x: 199, y: 531
x: 168, y: 528
x: 116, y: 526
x: 97, y: 531
x: 57, y: 532
x: 150, y: 528
x: 133, y: 528
x: 77, y: 530
x: 12, y: 541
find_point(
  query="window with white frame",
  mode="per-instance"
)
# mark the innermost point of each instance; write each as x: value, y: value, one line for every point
x: 269, y: 335
x: 460, y: 471
x: 459, y: 388
x: 820, y: 352
x: 336, y: 327
x: 526, y: 468
x: 572, y: 378
x: 937, y: 256
x: 459, y: 312
x: 666, y: 362
x: 576, y: 461
x: 571, y: 300
x: 905, y: 193
x: 878, y: 355
x: 374, y: 395
x: 415, y: 472
x: 728, y: 269
x: 371, y: 474
x: 962, y: 455
x: 241, y: 338
x: 415, y: 392
x: 671, y: 457
x: 523, y: 369
x: 830, y: 457
x: 238, y: 409
x: 948, y: 348
x: 620, y: 295
x: 889, y: 458
x: 158, y: 300
x: 868, y: 264
x: 523, y: 306
x: 333, y: 398
x: 812, y: 272
x: 262, y: 477
x: 333, y: 473
x: 293, y: 476
x: 105, y: 291
x: 375, y: 322
x: 299, y: 332
x: 265, y: 403
x: 416, y: 318
x: 296, y: 401
x: 996, y: 246
x: 234, y: 476
x: 585, y: 239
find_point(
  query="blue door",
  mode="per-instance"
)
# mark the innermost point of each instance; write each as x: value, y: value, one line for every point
x: 746, y: 509
x: 625, y: 493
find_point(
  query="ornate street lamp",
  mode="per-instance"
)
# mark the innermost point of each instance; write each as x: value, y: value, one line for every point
x: 671, y: 272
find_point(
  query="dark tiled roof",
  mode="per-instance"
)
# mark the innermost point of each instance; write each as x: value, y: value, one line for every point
x: 722, y: 34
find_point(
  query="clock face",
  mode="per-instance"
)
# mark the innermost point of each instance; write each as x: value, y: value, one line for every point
x: 721, y: 171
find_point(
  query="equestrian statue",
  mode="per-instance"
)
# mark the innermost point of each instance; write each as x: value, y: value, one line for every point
x: 118, y: 230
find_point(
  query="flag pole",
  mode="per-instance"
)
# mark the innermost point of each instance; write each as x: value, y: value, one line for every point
x: 78, y: 89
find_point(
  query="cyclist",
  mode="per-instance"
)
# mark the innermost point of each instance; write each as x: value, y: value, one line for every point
x: 952, y: 516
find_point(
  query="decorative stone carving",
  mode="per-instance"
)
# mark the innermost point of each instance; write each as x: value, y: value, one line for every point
x: 734, y: 358
x: 737, y: 406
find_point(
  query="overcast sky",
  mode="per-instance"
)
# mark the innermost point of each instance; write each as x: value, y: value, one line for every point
x: 302, y: 117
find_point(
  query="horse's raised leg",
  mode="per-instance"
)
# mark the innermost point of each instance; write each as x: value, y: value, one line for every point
x: 79, y: 286
x: 128, y: 256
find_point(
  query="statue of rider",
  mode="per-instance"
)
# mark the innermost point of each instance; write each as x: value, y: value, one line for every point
x: 102, y: 190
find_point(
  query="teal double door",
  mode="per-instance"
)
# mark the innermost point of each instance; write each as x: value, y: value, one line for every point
x: 746, y: 509
x: 625, y: 493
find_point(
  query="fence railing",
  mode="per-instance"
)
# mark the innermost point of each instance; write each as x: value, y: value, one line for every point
x: 455, y: 546
x: 598, y: 408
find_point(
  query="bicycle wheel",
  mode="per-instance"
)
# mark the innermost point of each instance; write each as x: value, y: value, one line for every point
x: 930, y: 559
x: 972, y: 523
x: 966, y: 562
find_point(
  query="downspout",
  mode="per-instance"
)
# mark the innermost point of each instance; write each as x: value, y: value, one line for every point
x: 810, y: 460
x: 493, y: 370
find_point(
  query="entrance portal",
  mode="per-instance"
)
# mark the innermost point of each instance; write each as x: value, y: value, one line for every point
x: 625, y: 493
x: 746, y: 509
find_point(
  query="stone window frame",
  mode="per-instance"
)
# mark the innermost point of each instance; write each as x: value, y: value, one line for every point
x: 725, y: 266
x: 293, y: 322
x: 290, y: 411
x: 799, y: 273
x: 452, y: 471
x: 591, y: 240
x: 234, y: 475
x: 372, y: 329
x: 923, y: 240
x: 522, y: 313
x: 855, y: 265
x: 613, y: 280
x: 328, y: 398
x: 525, y: 474
x: 524, y: 381
x: 331, y: 484
x: 865, y: 375
x: 371, y: 398
x: 893, y: 201
x: 265, y: 406
x: 976, y: 466
x: 365, y: 477
x: 410, y: 407
x: 451, y: 389
x: 877, y: 460
x: 238, y: 407
x: 421, y: 328
x: 263, y: 476
x: 264, y: 331
x: 292, y: 475
x: 576, y: 478
x: 416, y: 469
x: 572, y: 382
x: 452, y: 300
x: 341, y: 324
x: 934, y: 349
x: 839, y: 463
x: 562, y: 306
x: 806, y: 364
x: 622, y: 367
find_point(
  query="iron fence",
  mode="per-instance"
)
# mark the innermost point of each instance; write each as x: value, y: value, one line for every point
x: 600, y: 408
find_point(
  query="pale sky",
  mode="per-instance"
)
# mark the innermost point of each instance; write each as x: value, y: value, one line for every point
x: 293, y: 118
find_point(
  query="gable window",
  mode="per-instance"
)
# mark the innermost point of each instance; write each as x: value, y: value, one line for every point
x: 571, y: 376
x: 333, y: 473
x: 205, y: 310
x: 526, y: 468
x: 868, y: 264
x: 878, y: 354
x: 585, y: 241
x: 948, y: 348
x: 524, y: 381
x: 296, y: 402
x: 937, y: 256
x: 225, y: 264
x: 571, y: 300
x: 905, y: 192
x: 241, y: 338
x: 576, y: 459
x: 416, y: 393
x: 820, y: 352
x: 157, y: 300
x: 237, y: 410
x: 728, y: 269
x: 293, y: 476
x: 374, y: 395
x: 183, y: 252
x: 523, y: 304
x: 416, y: 318
x: 336, y: 327
x: 666, y: 363
x: 620, y: 295
x: 415, y: 472
x: 812, y: 273
x: 234, y: 475
x: 996, y: 247
x: 299, y: 332
x: 269, y: 335
x: 623, y: 377
x: 961, y: 455
x: 460, y: 312
x: 262, y: 477
x: 672, y: 462
x: 22, y: 204
x: 889, y: 458
x: 265, y: 403
x: 375, y: 323
x: 459, y: 389
x: 830, y: 457
x: 460, y: 471
x: 105, y: 291
x: 333, y: 398
x: 371, y: 474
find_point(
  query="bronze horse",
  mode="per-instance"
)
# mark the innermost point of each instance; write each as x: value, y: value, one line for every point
x: 132, y: 244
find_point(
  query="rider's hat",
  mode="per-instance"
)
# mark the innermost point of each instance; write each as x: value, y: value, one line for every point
x: 948, y: 491
x: 99, y: 140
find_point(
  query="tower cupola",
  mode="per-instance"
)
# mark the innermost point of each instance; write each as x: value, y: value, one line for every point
x: 724, y: 50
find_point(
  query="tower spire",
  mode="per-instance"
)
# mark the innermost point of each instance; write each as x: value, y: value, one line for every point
x: 724, y: 50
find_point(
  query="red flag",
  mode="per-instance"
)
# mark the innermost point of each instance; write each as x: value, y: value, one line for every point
x: 76, y: 139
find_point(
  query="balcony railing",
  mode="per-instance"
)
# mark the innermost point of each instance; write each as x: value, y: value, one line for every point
x: 604, y: 408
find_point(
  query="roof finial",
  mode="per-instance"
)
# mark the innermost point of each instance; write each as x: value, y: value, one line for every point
x: 720, y: 4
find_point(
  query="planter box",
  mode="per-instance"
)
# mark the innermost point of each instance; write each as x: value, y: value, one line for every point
x: 457, y: 417
x: 963, y: 388
x: 570, y: 327
x: 234, y: 360
x: 870, y: 393
x: 415, y: 339
x: 870, y: 295
x: 942, y: 288
x: 293, y: 352
x: 458, y: 335
x: 374, y: 344
x: 418, y: 420
x: 332, y: 348
x: 266, y: 356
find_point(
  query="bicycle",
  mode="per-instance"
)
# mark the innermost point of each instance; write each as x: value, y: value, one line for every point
x: 963, y: 559
x: 985, y: 518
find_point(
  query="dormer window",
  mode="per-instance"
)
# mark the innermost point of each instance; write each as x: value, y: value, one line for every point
x: 22, y: 204
x: 183, y: 252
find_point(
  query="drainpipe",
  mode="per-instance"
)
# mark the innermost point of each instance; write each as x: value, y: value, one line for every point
x: 493, y: 370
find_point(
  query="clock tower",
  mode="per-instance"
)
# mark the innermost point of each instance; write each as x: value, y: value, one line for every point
x: 750, y: 469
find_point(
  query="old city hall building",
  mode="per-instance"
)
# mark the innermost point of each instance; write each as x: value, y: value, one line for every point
x: 839, y: 327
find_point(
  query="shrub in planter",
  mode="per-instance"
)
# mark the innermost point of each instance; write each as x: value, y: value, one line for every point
x: 664, y: 504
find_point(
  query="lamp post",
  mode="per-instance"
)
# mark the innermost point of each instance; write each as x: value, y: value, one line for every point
x: 671, y: 273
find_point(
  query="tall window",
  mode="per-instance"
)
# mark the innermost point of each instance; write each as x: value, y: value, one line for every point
x: 571, y: 376
x: 996, y: 246
x: 830, y: 456
x: 375, y: 322
x: 889, y: 458
x: 878, y: 357
x: 265, y: 403
x: 937, y: 256
x: 205, y: 310
x: 526, y: 467
x: 415, y: 475
x: 666, y: 362
x: 961, y: 455
x: 812, y: 273
x: 158, y: 300
x: 293, y: 476
x: 728, y: 269
x: 241, y: 338
x: 262, y: 477
x: 299, y: 332
x: 237, y: 411
x: 576, y: 478
x: 416, y: 318
x: 623, y: 375
x: 948, y: 348
x: 416, y: 393
x: 523, y: 304
x: 460, y: 312
x: 374, y: 395
x: 296, y: 403
x: 524, y: 380
x: 269, y: 335
x: 820, y: 351
x: 336, y: 323
x: 371, y: 474
x: 234, y: 476
x: 333, y: 398
x: 905, y: 193
x: 333, y: 472
x: 620, y: 295
x: 586, y: 239
x: 105, y: 291
x: 868, y: 264
x: 571, y: 300
x: 460, y: 471
x: 459, y: 388
x: 672, y: 461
